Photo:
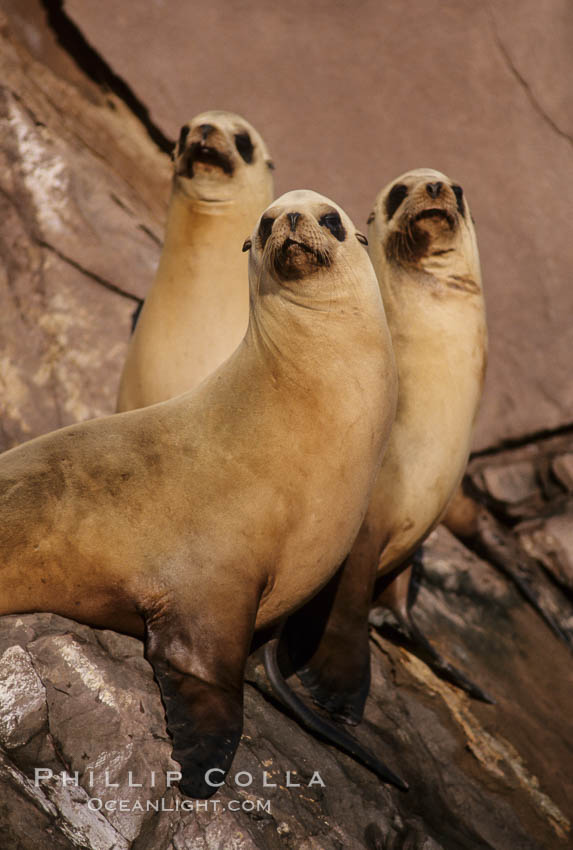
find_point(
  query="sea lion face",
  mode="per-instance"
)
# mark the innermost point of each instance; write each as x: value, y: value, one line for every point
x: 303, y: 234
x: 422, y: 214
x: 218, y: 154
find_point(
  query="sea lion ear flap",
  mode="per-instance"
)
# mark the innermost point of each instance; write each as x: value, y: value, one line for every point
x: 271, y: 165
x: 246, y: 245
x: 371, y: 217
x: 361, y: 238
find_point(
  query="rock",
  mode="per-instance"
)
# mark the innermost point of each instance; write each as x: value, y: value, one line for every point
x: 563, y: 470
x: 78, y: 247
x: 551, y: 542
x: 354, y: 74
x: 22, y: 697
x: 83, y: 168
x: 480, y: 776
x: 512, y: 483
x: 526, y: 481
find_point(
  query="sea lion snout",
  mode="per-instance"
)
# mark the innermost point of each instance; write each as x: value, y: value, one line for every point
x: 293, y: 217
x: 218, y: 144
x: 434, y: 189
x: 303, y: 233
x: 419, y: 214
x: 205, y: 130
x: 298, y: 244
x: 203, y: 147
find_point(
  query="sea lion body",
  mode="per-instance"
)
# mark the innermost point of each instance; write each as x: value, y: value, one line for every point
x: 432, y: 292
x: 423, y: 247
x: 197, y: 309
x: 199, y: 519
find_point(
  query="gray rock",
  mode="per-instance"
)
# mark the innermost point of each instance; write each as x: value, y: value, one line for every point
x: 551, y: 542
x: 511, y: 483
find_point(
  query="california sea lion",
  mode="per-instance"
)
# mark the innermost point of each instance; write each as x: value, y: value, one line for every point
x: 423, y: 247
x: 197, y: 309
x: 197, y: 520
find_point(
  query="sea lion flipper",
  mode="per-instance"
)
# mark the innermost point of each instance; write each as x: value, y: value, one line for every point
x: 328, y: 642
x: 321, y: 727
x: 401, y: 599
x: 200, y: 673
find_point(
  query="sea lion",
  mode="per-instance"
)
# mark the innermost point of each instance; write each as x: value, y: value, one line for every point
x: 423, y: 247
x: 198, y: 520
x: 197, y: 309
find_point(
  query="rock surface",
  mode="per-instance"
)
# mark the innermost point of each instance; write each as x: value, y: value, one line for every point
x: 350, y: 98
x: 82, y: 701
x: 79, y: 245
x: 84, y: 180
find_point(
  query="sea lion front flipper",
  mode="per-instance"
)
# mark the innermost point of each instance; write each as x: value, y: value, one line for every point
x: 321, y: 727
x: 199, y: 664
x: 400, y: 599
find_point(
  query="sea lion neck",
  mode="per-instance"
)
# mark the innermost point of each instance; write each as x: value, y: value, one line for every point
x: 443, y: 269
x: 285, y: 325
x: 188, y: 211
x: 203, y: 242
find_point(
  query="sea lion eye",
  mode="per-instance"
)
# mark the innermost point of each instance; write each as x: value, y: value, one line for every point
x: 395, y: 197
x: 265, y: 228
x: 244, y: 146
x: 361, y: 238
x: 182, y: 137
x: 459, y: 193
x: 333, y: 222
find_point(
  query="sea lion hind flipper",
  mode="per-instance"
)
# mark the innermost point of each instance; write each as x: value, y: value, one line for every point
x: 405, y: 631
x: 337, y: 674
x: 204, y: 709
x: 328, y: 644
x: 321, y: 727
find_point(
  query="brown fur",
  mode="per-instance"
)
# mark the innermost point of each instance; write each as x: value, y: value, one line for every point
x: 202, y: 518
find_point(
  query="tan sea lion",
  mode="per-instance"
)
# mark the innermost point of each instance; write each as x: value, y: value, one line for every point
x: 197, y: 520
x: 423, y: 247
x: 197, y: 309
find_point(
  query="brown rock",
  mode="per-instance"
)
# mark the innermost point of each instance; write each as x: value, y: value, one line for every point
x: 563, y: 469
x: 480, y: 776
x: 511, y: 483
x: 78, y: 174
x: 347, y: 100
x: 551, y: 542
x: 77, y: 248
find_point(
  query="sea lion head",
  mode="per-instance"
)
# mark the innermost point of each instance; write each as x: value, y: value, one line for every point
x: 219, y: 154
x: 304, y: 235
x: 422, y: 220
